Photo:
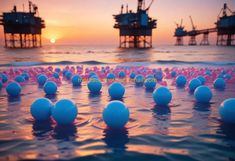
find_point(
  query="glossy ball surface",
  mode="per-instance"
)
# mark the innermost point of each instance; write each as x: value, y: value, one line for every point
x: 116, y: 90
x: 116, y: 114
x: 64, y: 112
x: 41, y: 109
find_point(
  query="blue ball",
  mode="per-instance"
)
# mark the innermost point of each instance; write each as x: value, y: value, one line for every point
x: 68, y: 75
x: 150, y: 83
x: 116, y: 114
x: 132, y: 75
x: 111, y: 76
x: 42, y: 79
x: 4, y: 78
x: 173, y: 73
x: 41, y: 109
x: 92, y: 74
x: 227, y: 111
x: 181, y: 81
x: 121, y: 74
x: 50, y: 88
x: 13, y: 89
x: 65, y: 72
x: 219, y: 83
x: 116, y: 90
x: 202, y: 79
x: 57, y: 70
x: 19, y: 79
x: 139, y: 80
x: 0, y: 84
x: 162, y: 96
x: 64, y: 112
x: 94, y: 85
x: 25, y: 75
x: 56, y: 75
x: 203, y: 94
x: 208, y: 73
x: 228, y: 76
x: 158, y: 75
x: 193, y: 84
x: 76, y: 80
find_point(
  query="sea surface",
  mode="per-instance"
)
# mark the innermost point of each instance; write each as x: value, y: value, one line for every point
x: 185, y: 131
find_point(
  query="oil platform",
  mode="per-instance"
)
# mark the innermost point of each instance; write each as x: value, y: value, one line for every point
x: 22, y: 29
x: 135, y: 28
x: 225, y: 29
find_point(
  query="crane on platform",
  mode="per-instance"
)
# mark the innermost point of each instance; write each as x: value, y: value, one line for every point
x: 193, y: 33
x: 180, y: 33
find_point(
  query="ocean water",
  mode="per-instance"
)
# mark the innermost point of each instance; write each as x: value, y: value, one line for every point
x: 185, y: 131
x: 160, y: 55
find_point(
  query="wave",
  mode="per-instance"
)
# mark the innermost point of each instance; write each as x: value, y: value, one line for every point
x: 16, y: 64
x: 92, y: 62
x: 225, y: 63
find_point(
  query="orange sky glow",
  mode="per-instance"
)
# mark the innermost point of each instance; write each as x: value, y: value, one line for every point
x: 91, y: 21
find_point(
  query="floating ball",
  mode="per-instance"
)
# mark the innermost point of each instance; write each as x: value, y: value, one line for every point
x: 13, y: 89
x: 228, y: 76
x: 42, y: 79
x: 121, y: 74
x: 202, y: 79
x: 41, y: 109
x: 158, y: 75
x: 181, y: 81
x: 203, y: 94
x: 64, y: 72
x: 227, y: 111
x: 57, y: 70
x: 139, y: 80
x: 132, y: 75
x: 219, y: 83
x: 94, y: 85
x: 19, y: 79
x: 173, y: 73
x: 76, y: 80
x: 116, y: 114
x: 111, y: 76
x: 4, y: 78
x: 56, y: 75
x: 91, y: 74
x: 162, y: 96
x: 68, y: 75
x: 208, y: 73
x: 50, y: 88
x: 64, y: 112
x: 116, y: 90
x: 25, y: 75
x: 150, y: 83
x: 193, y: 84
x: 0, y: 84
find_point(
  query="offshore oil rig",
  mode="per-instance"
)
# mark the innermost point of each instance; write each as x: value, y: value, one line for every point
x: 22, y: 29
x: 225, y: 28
x: 135, y: 28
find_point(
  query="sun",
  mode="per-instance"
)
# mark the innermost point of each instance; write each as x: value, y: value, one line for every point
x: 52, y: 40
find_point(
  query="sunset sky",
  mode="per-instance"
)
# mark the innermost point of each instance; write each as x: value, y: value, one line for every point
x: 91, y: 21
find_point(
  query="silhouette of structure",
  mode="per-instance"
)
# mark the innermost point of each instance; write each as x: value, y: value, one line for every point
x: 22, y: 29
x: 225, y: 28
x: 180, y: 33
x: 135, y: 29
